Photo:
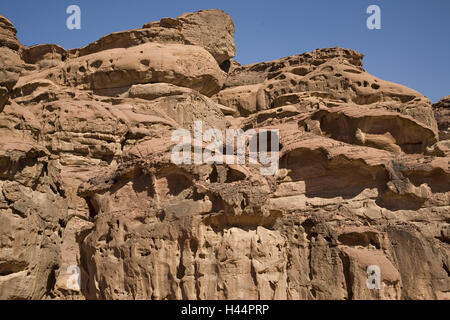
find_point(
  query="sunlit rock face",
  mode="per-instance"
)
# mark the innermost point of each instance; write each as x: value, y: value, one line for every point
x: 92, y: 205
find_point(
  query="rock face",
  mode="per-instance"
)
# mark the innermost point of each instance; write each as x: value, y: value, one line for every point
x: 10, y: 61
x: 442, y: 114
x: 93, y: 206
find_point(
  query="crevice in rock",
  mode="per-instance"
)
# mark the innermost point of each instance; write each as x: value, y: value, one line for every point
x: 446, y: 269
x: 92, y: 211
x: 225, y: 66
x: 360, y: 239
x: 254, y: 277
x: 181, y: 268
x: 7, y: 268
x: 347, y: 275
x: 51, y: 281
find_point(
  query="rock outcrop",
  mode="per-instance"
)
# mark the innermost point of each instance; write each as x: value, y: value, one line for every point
x: 93, y: 206
x: 10, y: 60
x: 212, y: 30
x: 442, y: 114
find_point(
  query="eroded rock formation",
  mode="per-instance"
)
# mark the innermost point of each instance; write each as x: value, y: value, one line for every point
x: 442, y: 114
x: 87, y: 179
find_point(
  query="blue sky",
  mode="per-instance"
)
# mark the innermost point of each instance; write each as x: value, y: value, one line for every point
x: 412, y: 48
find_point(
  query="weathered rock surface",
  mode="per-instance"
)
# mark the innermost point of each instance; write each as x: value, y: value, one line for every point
x: 10, y: 61
x: 8, y: 34
x: 89, y: 191
x: 334, y: 73
x: 115, y: 70
x: 442, y: 114
x: 210, y: 29
x: 44, y: 55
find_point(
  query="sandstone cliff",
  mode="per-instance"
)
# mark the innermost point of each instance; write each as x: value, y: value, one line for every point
x: 86, y: 177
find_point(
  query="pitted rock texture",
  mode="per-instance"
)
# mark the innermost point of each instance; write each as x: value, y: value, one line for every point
x: 87, y: 179
x: 442, y: 114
